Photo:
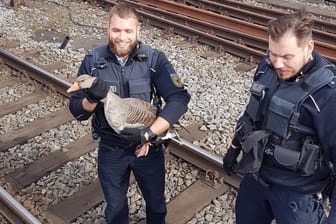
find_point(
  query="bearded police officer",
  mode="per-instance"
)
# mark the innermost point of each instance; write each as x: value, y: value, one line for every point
x: 131, y: 69
x: 287, y: 134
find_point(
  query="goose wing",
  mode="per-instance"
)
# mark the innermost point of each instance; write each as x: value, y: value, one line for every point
x: 116, y: 111
x: 140, y: 112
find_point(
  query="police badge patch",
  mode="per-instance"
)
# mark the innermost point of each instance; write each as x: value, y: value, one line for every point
x: 176, y: 80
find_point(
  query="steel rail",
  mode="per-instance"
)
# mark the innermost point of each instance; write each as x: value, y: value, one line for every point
x: 9, y: 203
x: 224, y: 34
x: 254, y: 12
x: 35, y: 72
x: 327, y: 50
x: 22, y: 215
x: 323, y: 31
x: 292, y: 6
x: 203, y: 159
x: 193, y: 153
x: 208, y: 16
x: 218, y: 43
x: 210, y: 28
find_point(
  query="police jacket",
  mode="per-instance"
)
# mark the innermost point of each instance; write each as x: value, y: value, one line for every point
x: 295, y: 123
x: 146, y: 75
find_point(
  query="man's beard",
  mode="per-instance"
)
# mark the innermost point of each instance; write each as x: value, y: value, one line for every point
x: 122, y: 52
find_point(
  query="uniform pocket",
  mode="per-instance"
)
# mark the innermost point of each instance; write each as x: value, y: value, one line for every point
x: 307, y: 210
x: 280, y: 112
x: 140, y: 88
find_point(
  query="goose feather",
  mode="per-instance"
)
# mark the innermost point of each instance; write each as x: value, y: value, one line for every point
x: 121, y: 113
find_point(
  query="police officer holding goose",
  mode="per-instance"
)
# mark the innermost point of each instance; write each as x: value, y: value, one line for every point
x: 131, y: 69
x: 287, y: 137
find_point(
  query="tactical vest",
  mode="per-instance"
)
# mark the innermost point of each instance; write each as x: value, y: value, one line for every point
x: 133, y: 80
x: 280, y: 139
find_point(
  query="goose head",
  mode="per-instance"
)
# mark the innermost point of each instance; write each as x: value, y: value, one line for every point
x: 82, y: 82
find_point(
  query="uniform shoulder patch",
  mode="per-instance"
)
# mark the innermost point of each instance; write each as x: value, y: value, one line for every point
x: 176, y: 80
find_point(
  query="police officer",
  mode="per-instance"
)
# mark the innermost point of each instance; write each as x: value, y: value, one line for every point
x: 286, y: 136
x: 131, y: 69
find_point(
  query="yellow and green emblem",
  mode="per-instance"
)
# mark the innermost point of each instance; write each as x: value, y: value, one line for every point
x: 176, y: 80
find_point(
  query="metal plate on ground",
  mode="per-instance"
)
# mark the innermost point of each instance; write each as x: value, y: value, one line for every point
x: 49, y: 35
x: 88, y: 43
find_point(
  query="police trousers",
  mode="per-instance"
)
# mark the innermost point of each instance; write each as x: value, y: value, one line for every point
x: 260, y: 204
x: 114, y: 167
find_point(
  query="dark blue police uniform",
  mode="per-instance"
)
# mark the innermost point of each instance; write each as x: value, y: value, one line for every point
x: 289, y: 148
x: 147, y: 75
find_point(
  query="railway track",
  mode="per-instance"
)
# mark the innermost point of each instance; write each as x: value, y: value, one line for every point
x: 323, y: 31
x: 211, y: 182
x: 220, y: 28
x: 236, y: 32
x: 261, y: 15
x: 14, y: 211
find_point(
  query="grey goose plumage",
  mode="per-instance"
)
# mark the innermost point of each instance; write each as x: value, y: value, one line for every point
x: 120, y: 112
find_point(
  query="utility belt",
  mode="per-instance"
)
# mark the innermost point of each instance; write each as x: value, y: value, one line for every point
x: 103, y: 132
x: 258, y: 150
x: 305, y: 161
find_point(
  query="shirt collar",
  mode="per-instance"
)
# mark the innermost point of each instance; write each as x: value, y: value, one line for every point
x: 305, y: 69
x: 309, y: 65
x: 121, y: 62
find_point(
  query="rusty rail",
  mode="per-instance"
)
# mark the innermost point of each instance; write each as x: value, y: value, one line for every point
x: 323, y: 31
x: 15, y: 212
x: 258, y: 31
x: 35, y: 72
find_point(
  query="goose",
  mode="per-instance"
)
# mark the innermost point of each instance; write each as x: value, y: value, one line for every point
x: 120, y: 113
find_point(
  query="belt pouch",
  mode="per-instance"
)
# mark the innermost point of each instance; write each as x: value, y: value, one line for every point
x: 286, y: 157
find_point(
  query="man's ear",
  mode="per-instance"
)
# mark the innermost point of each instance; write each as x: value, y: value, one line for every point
x: 138, y: 32
x: 309, y: 49
x: 108, y: 31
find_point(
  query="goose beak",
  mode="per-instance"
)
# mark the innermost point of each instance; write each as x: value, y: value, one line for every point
x: 73, y: 88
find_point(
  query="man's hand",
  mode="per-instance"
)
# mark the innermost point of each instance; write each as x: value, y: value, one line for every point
x: 135, y: 136
x: 142, y: 150
x: 141, y: 138
x: 97, y: 91
x: 230, y: 160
